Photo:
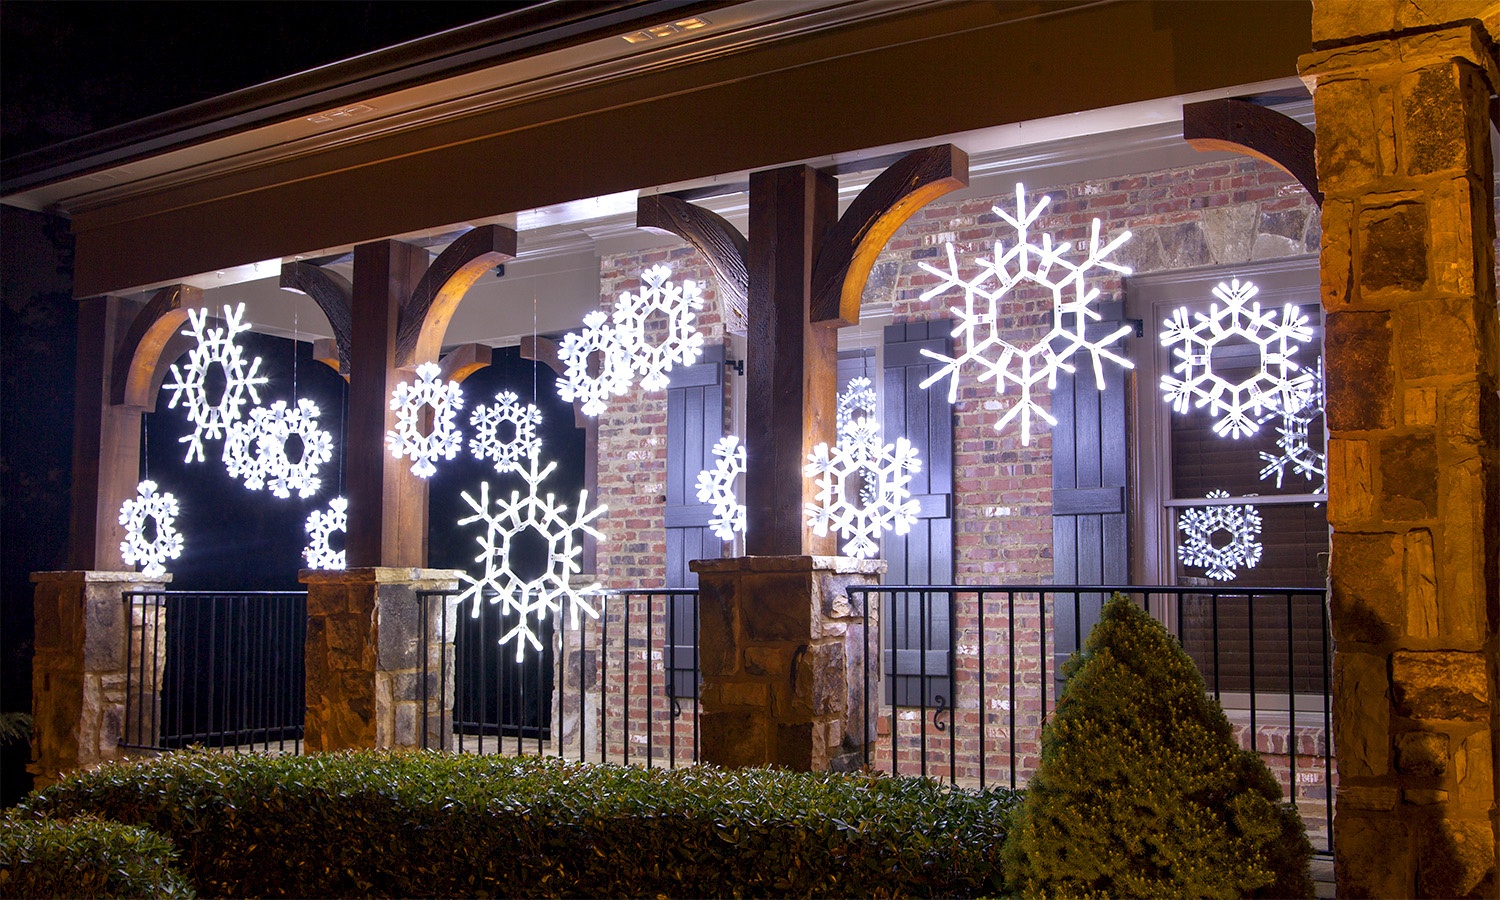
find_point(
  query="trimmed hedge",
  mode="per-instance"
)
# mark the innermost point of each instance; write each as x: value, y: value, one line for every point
x: 86, y: 858
x: 426, y: 824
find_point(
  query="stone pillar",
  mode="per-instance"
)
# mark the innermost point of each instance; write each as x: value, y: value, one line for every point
x: 785, y: 661
x: 78, y: 681
x: 1413, y: 361
x: 366, y: 680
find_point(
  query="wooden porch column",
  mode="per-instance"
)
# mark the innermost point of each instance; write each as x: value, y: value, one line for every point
x: 1402, y: 98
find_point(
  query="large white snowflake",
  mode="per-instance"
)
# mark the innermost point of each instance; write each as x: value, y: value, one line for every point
x: 256, y: 449
x: 979, y: 328
x: 321, y: 526
x: 409, y: 400
x: 489, y: 443
x: 862, y: 492
x: 216, y: 346
x: 1277, y: 382
x: 578, y: 385
x: 165, y: 544
x: 716, y: 488
x: 544, y: 594
x: 1200, y: 547
x: 683, y: 343
x: 1296, y: 451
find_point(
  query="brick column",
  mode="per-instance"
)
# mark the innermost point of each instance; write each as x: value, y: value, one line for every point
x: 1414, y: 480
x: 369, y: 669
x: 786, y: 661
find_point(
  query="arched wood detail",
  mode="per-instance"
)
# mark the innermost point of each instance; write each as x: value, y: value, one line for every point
x: 726, y: 250
x: 425, y: 318
x: 463, y: 361
x: 333, y: 294
x: 1238, y: 126
x: 850, y: 250
x: 134, y: 374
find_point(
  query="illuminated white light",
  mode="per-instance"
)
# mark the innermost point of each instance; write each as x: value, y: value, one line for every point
x: 1296, y: 450
x: 255, y: 449
x: 979, y: 327
x: 1198, y: 526
x: 321, y: 526
x: 487, y: 442
x: 877, y: 475
x: 716, y: 488
x: 857, y: 405
x: 408, y: 400
x: 167, y: 544
x: 214, y: 346
x: 577, y: 385
x: 683, y: 343
x: 1277, y: 384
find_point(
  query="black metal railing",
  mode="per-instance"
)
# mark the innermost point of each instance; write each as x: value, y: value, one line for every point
x: 218, y: 669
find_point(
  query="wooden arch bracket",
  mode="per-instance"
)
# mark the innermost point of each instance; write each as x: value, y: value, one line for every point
x: 1238, y: 126
x: 137, y: 370
x: 334, y: 296
x: 710, y: 234
x: 463, y: 361
x: 425, y: 318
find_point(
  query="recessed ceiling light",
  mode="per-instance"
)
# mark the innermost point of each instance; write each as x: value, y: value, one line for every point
x: 640, y: 37
x: 663, y: 30
x: 690, y: 24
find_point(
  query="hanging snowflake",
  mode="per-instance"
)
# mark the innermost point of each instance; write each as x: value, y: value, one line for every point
x: 320, y: 528
x: 523, y: 442
x: 256, y: 449
x: 541, y: 595
x: 613, y: 379
x: 716, y: 488
x: 862, y: 492
x: 1296, y: 450
x: 979, y: 327
x: 166, y: 543
x: 1241, y: 526
x: 216, y: 346
x: 683, y: 344
x: 1277, y: 383
x: 855, y: 418
x: 408, y: 400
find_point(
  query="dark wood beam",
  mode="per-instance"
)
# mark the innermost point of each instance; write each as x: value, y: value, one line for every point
x: 332, y: 293
x: 425, y: 318
x: 710, y: 234
x: 1238, y: 126
x: 106, y: 437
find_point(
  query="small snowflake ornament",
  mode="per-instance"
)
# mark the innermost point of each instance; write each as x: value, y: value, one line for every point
x: 979, y: 328
x: 855, y: 419
x: 1278, y: 382
x: 862, y: 492
x: 167, y: 543
x: 613, y: 379
x: 683, y: 343
x: 1295, y: 450
x: 256, y: 449
x: 716, y: 488
x: 1241, y: 527
x: 321, y: 527
x: 215, y: 346
x: 489, y: 422
x: 408, y: 400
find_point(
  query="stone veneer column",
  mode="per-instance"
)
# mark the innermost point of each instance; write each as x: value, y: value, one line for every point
x: 78, y: 680
x: 365, y: 654
x: 785, y: 661
x: 1403, y: 134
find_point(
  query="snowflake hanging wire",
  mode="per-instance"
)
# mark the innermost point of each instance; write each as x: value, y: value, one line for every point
x: 862, y: 492
x: 214, y: 345
x: 321, y: 526
x: 1278, y: 382
x: 544, y: 594
x: 614, y: 377
x: 716, y: 488
x: 1241, y: 525
x: 978, y: 322
x: 1296, y: 450
x: 523, y: 443
x: 256, y: 450
x: 167, y: 544
x: 683, y: 343
x: 408, y: 400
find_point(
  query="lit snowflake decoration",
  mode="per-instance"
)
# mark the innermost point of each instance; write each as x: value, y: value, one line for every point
x: 256, y: 450
x: 716, y: 488
x: 1241, y: 524
x: 614, y: 378
x: 1296, y: 450
x: 979, y: 328
x: 320, y: 529
x: 683, y: 344
x: 216, y: 346
x: 523, y: 443
x: 1278, y: 383
x: 161, y: 509
x: 408, y: 400
x: 862, y: 492
x: 855, y: 418
x: 543, y: 595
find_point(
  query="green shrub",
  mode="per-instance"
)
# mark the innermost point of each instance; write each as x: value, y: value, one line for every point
x: 426, y: 824
x: 1142, y: 790
x: 86, y: 858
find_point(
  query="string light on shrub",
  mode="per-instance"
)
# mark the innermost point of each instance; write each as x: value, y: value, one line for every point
x: 166, y: 543
x: 488, y: 421
x: 321, y: 526
x: 716, y: 488
x: 215, y: 346
x: 1241, y: 527
x: 443, y: 440
x: 256, y: 449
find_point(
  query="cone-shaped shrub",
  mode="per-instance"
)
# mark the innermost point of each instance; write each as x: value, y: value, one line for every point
x: 1142, y: 790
